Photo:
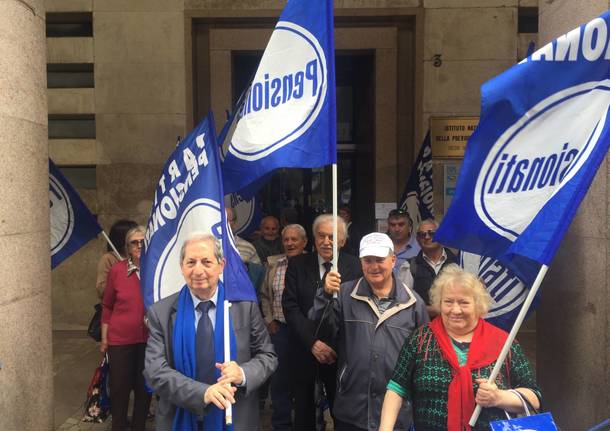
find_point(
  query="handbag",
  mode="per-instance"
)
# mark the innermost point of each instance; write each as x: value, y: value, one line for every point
x: 532, y: 421
x: 97, y: 405
x: 95, y: 325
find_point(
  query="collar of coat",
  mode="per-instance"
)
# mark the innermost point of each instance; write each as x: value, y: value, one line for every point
x: 403, y: 297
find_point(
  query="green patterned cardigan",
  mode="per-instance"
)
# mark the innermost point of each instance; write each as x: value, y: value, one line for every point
x: 422, y: 377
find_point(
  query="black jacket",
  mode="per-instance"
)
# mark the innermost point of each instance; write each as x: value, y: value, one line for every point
x: 302, y: 281
x: 424, y: 275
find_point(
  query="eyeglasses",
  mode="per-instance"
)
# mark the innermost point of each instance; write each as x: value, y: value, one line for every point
x: 137, y: 242
x: 425, y: 233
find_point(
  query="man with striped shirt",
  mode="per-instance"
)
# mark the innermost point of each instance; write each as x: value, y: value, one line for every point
x: 294, y: 240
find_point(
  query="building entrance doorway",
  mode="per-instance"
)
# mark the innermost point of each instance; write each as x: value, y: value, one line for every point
x: 376, y: 115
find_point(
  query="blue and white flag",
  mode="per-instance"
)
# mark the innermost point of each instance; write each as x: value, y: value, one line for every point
x: 418, y: 197
x: 72, y: 224
x: 288, y: 118
x: 245, y: 204
x: 542, y: 135
x: 189, y: 198
x: 506, y: 290
x: 248, y: 212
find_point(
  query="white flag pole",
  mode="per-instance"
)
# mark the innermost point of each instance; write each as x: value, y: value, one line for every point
x: 335, y: 237
x: 227, y: 355
x: 511, y: 336
x: 116, y: 252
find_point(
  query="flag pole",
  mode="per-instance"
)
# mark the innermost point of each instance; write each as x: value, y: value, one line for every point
x: 227, y: 355
x: 511, y: 336
x: 118, y: 255
x: 335, y: 237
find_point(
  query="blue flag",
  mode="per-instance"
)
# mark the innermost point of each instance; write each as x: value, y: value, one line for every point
x: 288, y: 117
x: 72, y: 224
x: 245, y: 204
x: 189, y: 198
x: 248, y: 212
x: 507, y: 291
x: 418, y: 196
x: 542, y: 135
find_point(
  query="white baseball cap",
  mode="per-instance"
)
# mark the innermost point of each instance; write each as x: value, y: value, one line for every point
x: 376, y: 244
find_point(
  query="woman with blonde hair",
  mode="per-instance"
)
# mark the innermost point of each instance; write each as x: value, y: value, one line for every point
x: 443, y: 367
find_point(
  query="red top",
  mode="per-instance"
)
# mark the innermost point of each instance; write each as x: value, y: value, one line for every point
x: 123, y: 307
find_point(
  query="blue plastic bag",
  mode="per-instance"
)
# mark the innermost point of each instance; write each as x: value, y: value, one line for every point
x: 539, y: 422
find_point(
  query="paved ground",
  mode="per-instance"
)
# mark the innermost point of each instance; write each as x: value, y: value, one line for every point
x: 75, y: 358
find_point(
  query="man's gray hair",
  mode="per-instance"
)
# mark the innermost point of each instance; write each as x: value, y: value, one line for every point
x: 328, y: 218
x: 199, y: 236
x: 429, y: 221
x: 300, y: 229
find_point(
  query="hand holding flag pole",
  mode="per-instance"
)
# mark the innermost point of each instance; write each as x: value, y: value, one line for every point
x: 511, y: 211
x: 511, y: 336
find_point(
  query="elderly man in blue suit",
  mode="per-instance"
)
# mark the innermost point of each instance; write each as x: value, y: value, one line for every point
x: 182, y: 364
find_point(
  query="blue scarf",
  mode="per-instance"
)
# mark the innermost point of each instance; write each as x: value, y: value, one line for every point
x: 185, y: 358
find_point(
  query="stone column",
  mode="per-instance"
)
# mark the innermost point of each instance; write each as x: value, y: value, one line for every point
x: 26, y: 374
x: 573, y: 330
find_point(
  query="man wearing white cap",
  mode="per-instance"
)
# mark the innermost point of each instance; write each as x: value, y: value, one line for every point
x: 372, y: 316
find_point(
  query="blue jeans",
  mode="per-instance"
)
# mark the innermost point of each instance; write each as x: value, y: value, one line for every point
x: 281, y: 382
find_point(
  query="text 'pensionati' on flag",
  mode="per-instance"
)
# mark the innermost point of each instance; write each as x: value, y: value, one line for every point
x: 543, y: 132
x: 288, y: 115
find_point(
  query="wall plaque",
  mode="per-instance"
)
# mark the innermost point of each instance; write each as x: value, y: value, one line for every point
x: 449, y: 135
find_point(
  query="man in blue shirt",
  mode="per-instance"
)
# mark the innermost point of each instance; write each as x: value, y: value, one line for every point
x: 400, y: 226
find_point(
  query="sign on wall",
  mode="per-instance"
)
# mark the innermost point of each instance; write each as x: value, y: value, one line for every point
x: 450, y: 134
x: 451, y: 171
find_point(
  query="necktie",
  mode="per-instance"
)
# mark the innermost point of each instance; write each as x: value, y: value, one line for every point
x: 205, y: 345
x: 327, y: 267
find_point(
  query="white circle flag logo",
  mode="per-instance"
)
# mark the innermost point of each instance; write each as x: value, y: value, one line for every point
x: 538, y: 155
x: 62, y: 215
x: 506, y: 290
x: 244, y: 210
x: 202, y: 215
x: 286, y: 96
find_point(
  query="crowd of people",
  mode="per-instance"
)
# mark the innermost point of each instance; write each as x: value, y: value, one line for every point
x: 394, y: 336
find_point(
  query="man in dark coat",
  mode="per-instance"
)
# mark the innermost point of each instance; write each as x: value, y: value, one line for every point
x: 371, y: 317
x: 313, y: 352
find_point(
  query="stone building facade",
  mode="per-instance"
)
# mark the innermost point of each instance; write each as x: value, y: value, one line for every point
x: 145, y: 71
x: 158, y: 66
